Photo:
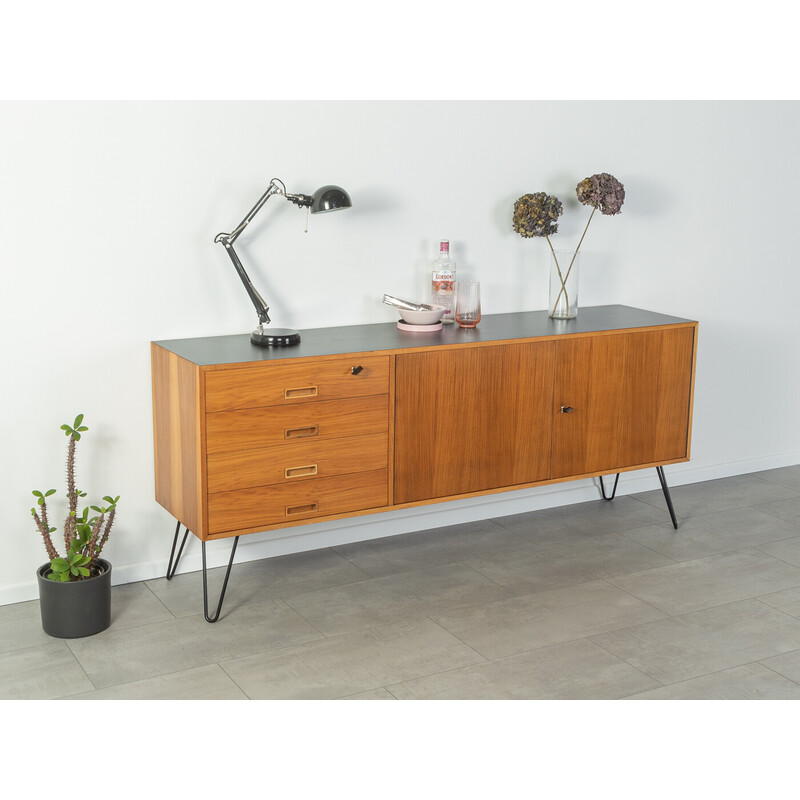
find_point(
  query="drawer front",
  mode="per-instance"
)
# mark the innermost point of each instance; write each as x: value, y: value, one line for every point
x: 286, y: 502
x: 227, y: 431
x: 300, y: 382
x: 302, y: 460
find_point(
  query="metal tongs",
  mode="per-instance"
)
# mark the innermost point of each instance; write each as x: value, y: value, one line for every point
x: 406, y: 304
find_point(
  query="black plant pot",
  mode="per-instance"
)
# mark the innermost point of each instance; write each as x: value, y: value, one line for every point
x: 75, y: 608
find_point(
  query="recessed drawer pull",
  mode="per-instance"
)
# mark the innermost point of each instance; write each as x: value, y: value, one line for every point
x: 303, y: 391
x: 301, y: 433
x: 298, y: 472
x: 306, y: 509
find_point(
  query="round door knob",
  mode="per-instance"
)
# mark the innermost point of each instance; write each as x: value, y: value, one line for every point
x: 567, y: 409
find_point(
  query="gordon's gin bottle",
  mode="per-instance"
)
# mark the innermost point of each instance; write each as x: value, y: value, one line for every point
x: 443, y: 281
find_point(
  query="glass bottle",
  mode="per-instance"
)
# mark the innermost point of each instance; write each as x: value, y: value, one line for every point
x: 443, y: 281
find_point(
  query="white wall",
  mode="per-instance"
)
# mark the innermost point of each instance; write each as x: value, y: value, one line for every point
x: 108, y: 213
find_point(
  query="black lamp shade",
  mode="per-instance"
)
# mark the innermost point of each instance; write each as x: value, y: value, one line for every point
x: 330, y: 198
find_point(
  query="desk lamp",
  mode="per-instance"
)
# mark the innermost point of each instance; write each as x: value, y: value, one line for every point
x: 327, y: 198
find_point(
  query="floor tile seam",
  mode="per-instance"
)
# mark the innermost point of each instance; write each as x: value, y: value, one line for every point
x: 231, y: 678
x: 458, y: 638
x: 678, y: 683
x: 307, y: 621
x: 760, y: 549
x: 523, y: 539
x: 78, y: 662
x: 591, y: 638
x: 761, y: 508
x: 145, y: 583
x: 656, y: 505
x: 773, y: 515
x: 757, y: 476
x: 352, y: 563
x: 651, y: 549
x: 776, y: 671
x: 757, y: 599
x: 140, y: 680
x: 747, y: 549
x: 288, y: 597
x: 701, y: 608
x: 683, y: 517
x: 656, y: 609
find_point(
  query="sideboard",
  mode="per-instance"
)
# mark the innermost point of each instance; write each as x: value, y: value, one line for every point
x: 368, y: 418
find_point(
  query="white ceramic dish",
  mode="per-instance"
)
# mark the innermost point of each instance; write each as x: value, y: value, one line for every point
x: 421, y: 317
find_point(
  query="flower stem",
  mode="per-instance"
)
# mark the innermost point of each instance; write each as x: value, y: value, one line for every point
x: 563, y: 289
x: 569, y: 269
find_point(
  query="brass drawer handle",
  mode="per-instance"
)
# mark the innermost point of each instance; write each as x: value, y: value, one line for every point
x: 307, y: 509
x: 303, y: 391
x: 298, y: 472
x: 301, y: 433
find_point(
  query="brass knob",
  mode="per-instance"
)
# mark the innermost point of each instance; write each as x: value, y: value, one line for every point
x: 356, y: 370
x: 567, y: 409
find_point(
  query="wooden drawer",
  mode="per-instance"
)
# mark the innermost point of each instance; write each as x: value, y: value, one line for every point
x: 298, y: 382
x: 301, y: 460
x: 286, y: 502
x: 227, y: 431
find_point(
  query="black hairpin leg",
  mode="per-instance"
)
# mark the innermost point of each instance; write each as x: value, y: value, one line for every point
x: 172, y: 566
x: 224, y: 584
x: 603, y: 488
x: 665, y: 489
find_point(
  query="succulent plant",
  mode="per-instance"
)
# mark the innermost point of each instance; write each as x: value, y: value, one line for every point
x: 84, y: 536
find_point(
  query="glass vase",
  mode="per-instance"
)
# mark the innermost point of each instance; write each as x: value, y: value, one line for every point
x: 563, y: 284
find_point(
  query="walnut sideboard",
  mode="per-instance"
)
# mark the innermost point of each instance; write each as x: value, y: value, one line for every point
x: 367, y: 418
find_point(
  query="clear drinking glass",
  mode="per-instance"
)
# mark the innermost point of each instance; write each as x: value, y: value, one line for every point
x: 468, y: 303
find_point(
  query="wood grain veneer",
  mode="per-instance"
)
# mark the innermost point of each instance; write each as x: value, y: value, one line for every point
x: 472, y: 419
x: 249, y: 439
x: 293, y: 383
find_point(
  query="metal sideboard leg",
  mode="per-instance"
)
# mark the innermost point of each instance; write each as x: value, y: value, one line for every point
x: 603, y: 488
x: 173, y: 564
x: 224, y: 584
x: 665, y: 489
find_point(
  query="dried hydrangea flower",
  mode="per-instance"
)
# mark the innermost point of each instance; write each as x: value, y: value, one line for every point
x: 537, y: 214
x: 602, y: 191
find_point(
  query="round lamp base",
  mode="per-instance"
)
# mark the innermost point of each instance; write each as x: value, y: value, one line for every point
x: 275, y: 337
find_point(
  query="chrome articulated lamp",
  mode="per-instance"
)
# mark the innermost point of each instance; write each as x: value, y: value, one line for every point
x: 327, y: 198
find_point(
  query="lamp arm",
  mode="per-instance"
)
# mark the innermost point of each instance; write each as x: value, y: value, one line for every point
x: 227, y: 239
x: 262, y: 309
x: 276, y: 186
x: 271, y: 190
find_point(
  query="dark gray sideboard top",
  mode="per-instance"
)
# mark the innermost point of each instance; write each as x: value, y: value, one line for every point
x: 237, y: 348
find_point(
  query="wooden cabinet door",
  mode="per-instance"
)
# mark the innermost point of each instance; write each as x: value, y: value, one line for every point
x: 472, y: 419
x: 630, y: 394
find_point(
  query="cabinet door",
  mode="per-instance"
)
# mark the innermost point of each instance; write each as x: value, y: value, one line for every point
x: 472, y: 419
x: 630, y: 394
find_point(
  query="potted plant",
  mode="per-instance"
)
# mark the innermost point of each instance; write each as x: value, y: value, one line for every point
x: 75, y: 590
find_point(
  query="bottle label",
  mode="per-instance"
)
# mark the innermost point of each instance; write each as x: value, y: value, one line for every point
x: 444, y: 280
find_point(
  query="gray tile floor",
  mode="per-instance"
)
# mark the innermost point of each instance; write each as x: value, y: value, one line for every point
x: 592, y: 601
